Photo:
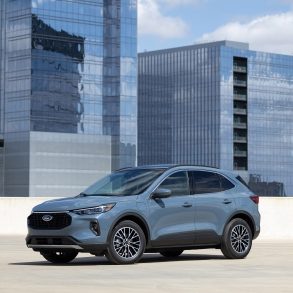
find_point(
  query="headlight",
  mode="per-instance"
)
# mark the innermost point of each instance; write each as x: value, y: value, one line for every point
x: 95, y: 210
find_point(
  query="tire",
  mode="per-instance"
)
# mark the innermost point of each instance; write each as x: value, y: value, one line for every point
x: 127, y: 243
x: 171, y: 252
x: 59, y: 256
x: 237, y: 239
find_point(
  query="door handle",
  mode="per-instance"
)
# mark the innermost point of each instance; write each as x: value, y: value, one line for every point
x: 187, y: 205
x: 227, y: 201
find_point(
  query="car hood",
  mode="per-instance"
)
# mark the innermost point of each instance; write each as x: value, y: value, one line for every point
x: 72, y: 203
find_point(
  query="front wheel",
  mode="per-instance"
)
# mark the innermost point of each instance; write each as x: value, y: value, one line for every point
x: 59, y: 256
x: 127, y: 243
x: 237, y: 239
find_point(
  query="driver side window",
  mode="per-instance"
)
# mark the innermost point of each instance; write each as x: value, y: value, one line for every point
x: 178, y: 183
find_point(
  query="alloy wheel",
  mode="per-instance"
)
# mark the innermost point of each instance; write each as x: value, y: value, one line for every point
x: 127, y: 243
x: 240, y: 239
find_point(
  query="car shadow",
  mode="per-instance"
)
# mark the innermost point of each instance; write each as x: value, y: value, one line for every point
x: 147, y: 258
x: 157, y: 258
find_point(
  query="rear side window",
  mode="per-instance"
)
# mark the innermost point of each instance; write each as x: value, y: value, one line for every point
x: 240, y: 179
x: 225, y: 183
x: 209, y: 182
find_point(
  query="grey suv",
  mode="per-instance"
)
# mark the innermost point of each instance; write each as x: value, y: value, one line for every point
x: 164, y: 209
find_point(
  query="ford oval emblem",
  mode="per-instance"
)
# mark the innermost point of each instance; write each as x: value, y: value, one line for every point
x: 47, y: 218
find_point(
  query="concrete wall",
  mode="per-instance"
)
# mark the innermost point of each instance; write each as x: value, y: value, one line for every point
x: 1, y: 170
x: 276, y: 223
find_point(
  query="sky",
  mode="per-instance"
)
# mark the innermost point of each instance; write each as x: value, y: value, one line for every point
x: 267, y: 25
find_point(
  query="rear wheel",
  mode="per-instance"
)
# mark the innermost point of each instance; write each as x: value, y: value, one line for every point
x: 127, y: 243
x: 59, y: 256
x: 171, y: 252
x: 237, y: 239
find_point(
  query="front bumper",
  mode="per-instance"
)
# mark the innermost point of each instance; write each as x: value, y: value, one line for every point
x: 79, y: 235
x: 41, y: 243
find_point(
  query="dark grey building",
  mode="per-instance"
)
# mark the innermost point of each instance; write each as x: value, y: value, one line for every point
x: 68, y: 93
x: 219, y: 104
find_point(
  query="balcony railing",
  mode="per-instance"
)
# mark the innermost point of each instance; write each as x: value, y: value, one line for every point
x: 239, y: 68
x: 240, y: 125
x: 239, y: 82
x: 240, y: 168
x: 240, y: 153
x: 241, y: 139
x: 240, y: 111
x: 240, y: 97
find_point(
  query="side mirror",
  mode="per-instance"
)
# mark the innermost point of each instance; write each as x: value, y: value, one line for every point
x: 161, y: 193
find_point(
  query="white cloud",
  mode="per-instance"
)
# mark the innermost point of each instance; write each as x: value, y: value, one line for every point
x: 287, y: 1
x: 151, y: 21
x: 271, y: 33
x: 179, y: 2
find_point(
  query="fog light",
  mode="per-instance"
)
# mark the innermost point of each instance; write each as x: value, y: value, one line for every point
x: 94, y: 226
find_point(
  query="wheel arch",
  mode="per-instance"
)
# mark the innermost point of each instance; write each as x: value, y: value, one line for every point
x: 139, y: 220
x: 244, y: 216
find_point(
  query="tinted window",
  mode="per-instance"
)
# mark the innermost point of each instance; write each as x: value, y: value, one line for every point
x: 125, y: 182
x: 242, y: 181
x: 178, y: 183
x: 208, y: 182
x: 225, y: 183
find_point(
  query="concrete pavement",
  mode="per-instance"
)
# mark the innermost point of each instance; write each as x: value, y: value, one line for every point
x: 268, y: 268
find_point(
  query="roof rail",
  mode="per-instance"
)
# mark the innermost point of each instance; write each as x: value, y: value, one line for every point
x: 191, y: 165
x: 167, y: 166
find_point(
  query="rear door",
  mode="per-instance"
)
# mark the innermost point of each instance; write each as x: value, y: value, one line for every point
x: 172, y: 218
x: 214, y: 203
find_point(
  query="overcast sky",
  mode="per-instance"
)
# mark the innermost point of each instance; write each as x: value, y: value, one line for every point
x: 266, y: 24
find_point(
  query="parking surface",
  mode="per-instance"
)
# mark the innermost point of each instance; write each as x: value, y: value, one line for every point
x: 268, y: 268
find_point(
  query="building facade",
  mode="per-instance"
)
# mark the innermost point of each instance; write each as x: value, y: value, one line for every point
x: 222, y: 105
x: 68, y: 111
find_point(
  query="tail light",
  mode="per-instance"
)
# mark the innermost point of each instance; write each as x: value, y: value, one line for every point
x: 255, y: 199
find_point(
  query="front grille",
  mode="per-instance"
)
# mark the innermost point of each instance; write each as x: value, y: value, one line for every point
x: 49, y: 221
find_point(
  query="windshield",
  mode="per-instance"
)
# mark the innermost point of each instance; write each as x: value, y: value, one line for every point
x: 125, y: 182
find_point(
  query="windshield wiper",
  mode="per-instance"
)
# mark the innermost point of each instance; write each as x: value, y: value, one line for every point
x: 101, y: 194
x: 109, y: 194
x: 82, y: 194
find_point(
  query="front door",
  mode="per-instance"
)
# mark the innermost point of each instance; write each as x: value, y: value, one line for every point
x: 172, y: 219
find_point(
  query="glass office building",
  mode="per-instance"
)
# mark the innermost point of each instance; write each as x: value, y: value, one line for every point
x: 222, y: 105
x: 68, y: 111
